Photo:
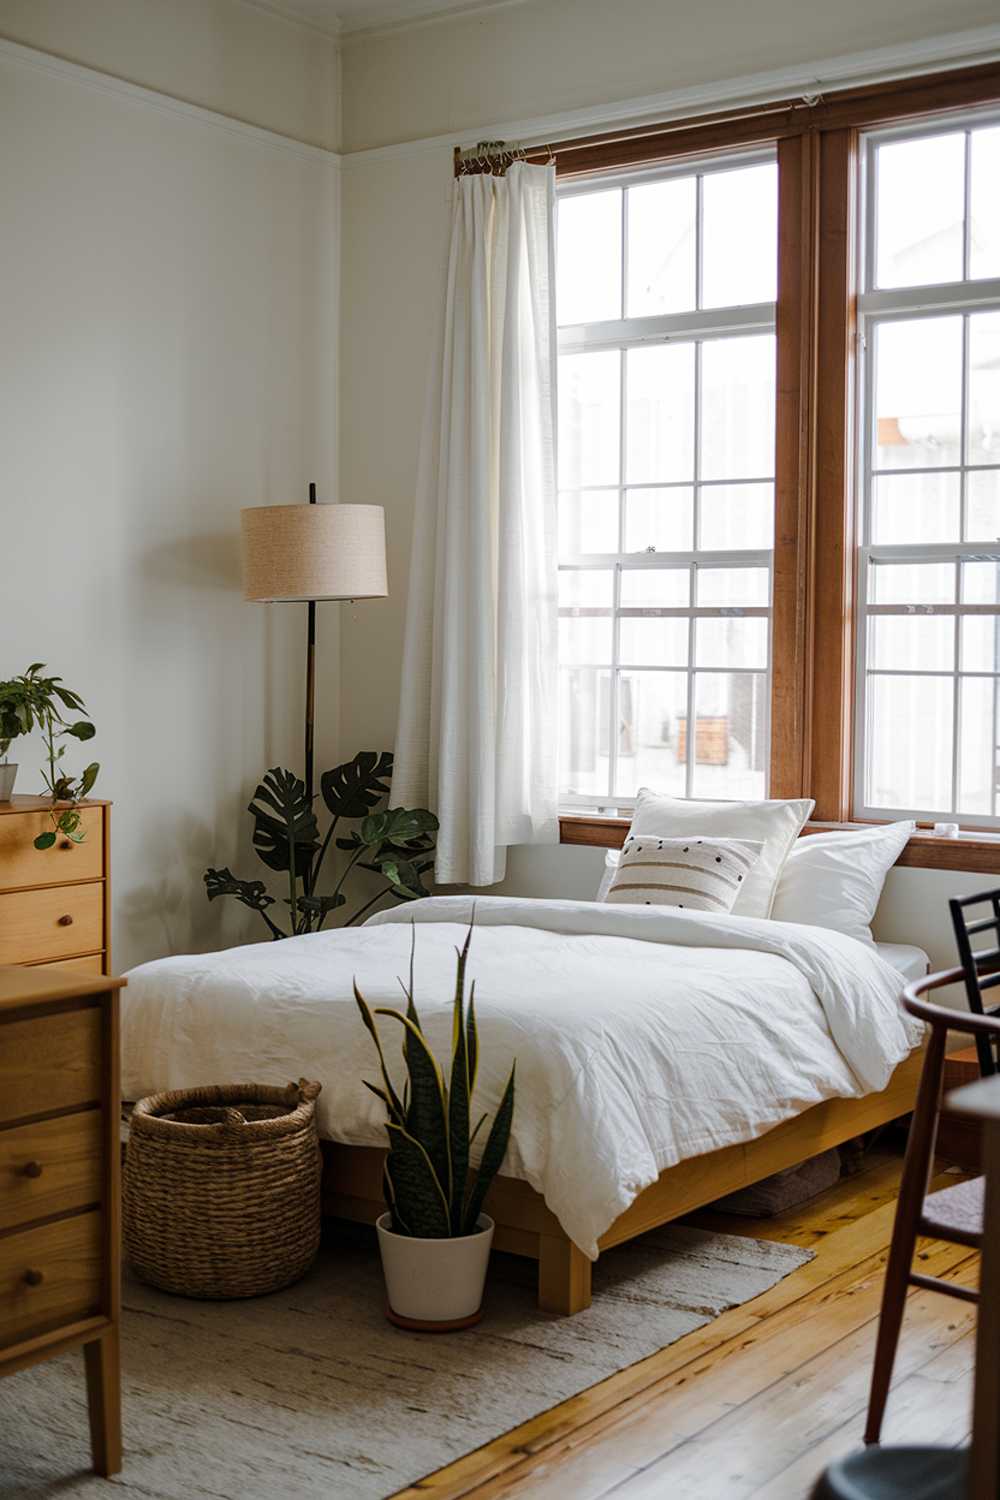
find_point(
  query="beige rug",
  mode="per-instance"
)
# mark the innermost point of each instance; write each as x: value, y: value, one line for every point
x: 312, y: 1395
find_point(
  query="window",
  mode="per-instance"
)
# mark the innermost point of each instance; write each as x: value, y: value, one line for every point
x: 666, y: 305
x: 927, y: 719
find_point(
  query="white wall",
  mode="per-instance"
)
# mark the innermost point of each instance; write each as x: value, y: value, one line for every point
x: 167, y: 355
x: 523, y: 62
x: 240, y: 59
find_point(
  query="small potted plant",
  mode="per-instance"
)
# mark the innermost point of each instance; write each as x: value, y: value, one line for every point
x: 33, y: 699
x: 17, y: 718
x: 435, y: 1239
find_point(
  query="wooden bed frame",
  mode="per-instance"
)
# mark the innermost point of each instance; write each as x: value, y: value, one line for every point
x: 352, y: 1185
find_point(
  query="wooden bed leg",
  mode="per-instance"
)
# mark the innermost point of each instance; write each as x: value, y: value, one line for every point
x: 563, y: 1275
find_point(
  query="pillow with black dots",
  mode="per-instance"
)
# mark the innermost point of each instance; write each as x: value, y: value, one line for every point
x: 698, y: 874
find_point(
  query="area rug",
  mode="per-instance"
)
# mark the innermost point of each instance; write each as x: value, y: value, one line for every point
x: 311, y: 1393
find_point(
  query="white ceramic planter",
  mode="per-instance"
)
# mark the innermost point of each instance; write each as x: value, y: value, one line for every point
x: 8, y: 775
x: 435, y: 1282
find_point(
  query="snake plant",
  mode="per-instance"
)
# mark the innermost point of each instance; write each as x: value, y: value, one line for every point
x: 430, y: 1190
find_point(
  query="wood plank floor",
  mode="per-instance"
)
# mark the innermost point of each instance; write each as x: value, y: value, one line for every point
x: 757, y: 1402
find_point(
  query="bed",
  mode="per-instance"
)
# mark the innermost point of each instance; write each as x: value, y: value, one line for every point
x: 664, y: 1057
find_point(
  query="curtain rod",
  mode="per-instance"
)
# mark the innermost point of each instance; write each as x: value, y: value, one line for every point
x: 857, y: 106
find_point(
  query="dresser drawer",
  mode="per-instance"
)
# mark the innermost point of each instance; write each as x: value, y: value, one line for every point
x: 50, y: 1166
x: 22, y: 864
x: 50, y: 1275
x: 92, y: 964
x: 51, y: 924
x: 50, y: 1062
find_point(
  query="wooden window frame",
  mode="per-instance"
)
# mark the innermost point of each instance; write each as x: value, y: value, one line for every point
x: 817, y: 143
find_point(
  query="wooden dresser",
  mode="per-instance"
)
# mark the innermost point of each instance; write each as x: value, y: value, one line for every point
x: 60, y: 1238
x: 55, y: 903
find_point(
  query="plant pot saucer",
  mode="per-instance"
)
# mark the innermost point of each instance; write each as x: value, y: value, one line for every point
x: 421, y: 1325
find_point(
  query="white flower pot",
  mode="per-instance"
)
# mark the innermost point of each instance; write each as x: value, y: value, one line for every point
x: 435, y: 1285
x: 8, y: 775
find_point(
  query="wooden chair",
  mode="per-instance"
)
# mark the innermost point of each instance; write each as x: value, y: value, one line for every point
x: 980, y: 968
x: 954, y: 1214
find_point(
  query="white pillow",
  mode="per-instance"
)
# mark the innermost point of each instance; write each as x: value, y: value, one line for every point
x: 695, y: 874
x: 835, y: 879
x: 774, y: 824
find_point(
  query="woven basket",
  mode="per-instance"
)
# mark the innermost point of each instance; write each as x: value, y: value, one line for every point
x: 222, y: 1189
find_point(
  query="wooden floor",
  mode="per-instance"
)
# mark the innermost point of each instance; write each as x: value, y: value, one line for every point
x: 758, y: 1401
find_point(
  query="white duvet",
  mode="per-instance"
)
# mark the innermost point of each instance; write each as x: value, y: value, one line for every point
x: 642, y: 1035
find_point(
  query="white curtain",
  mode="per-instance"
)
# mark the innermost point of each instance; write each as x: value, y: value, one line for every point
x: 477, y: 737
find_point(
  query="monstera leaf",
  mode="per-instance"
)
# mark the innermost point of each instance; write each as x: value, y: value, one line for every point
x: 353, y: 789
x: 283, y: 819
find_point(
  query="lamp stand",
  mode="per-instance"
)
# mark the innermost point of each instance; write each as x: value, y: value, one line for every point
x: 310, y: 682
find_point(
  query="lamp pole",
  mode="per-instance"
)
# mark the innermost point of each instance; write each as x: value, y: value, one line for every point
x: 310, y: 682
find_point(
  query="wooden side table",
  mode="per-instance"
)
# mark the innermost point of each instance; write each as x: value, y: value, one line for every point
x: 60, y: 1197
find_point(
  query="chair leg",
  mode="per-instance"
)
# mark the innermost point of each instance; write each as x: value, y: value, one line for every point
x: 890, y: 1322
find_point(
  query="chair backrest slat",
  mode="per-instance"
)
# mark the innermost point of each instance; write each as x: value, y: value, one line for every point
x: 980, y: 967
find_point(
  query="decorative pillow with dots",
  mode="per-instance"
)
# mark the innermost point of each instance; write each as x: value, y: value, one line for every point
x: 699, y: 874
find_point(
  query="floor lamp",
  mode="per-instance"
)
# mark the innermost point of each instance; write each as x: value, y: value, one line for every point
x: 294, y: 554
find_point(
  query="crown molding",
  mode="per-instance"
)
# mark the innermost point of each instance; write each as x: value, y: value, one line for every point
x: 879, y: 65
x: 436, y: 16
x: 288, y: 10
x: 107, y: 83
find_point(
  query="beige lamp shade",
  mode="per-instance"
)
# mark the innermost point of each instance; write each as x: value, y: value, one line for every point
x: 300, y: 552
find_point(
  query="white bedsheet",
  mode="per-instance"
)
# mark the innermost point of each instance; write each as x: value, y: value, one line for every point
x: 642, y: 1035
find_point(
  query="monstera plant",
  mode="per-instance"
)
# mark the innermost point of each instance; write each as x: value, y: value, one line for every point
x: 394, y: 843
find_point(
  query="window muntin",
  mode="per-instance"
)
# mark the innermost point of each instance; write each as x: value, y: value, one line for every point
x: 666, y: 475
x: 928, y: 627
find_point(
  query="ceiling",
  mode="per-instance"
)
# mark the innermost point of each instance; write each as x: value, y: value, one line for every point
x: 349, y: 17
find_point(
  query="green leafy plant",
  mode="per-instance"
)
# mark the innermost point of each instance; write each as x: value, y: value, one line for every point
x: 31, y: 701
x: 430, y: 1190
x: 395, y: 843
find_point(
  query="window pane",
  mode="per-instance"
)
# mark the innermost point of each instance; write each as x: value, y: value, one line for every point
x: 740, y: 236
x: 984, y: 237
x: 661, y: 247
x: 912, y: 643
x: 977, y: 759
x: 912, y: 583
x: 653, y: 641
x: 584, y: 716
x: 731, y: 641
x: 588, y: 521
x: 586, y: 587
x: 656, y: 588
x: 589, y: 418
x: 651, y: 709
x: 737, y: 408
x: 585, y: 639
x: 916, y: 508
x: 981, y: 582
x: 660, y: 391
x: 982, y: 506
x: 732, y: 516
x: 918, y: 393
x: 984, y: 388
x: 909, y: 722
x: 920, y: 212
x: 719, y: 588
x: 981, y: 643
x: 661, y: 519
x: 589, y: 257
x: 730, y: 745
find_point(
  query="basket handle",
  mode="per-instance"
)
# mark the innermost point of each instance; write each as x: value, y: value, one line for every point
x: 233, y: 1121
x: 304, y: 1092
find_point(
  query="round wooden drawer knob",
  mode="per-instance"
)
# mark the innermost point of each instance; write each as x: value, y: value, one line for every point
x: 33, y: 1278
x: 66, y: 921
x: 32, y: 1169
